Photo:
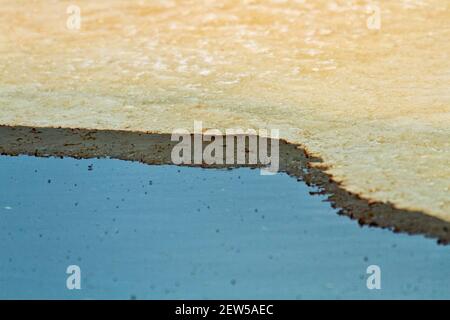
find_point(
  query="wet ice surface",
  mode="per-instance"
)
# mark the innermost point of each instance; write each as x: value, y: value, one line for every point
x: 157, y: 232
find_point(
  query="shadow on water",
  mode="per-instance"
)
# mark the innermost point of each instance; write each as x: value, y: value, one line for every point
x: 156, y: 149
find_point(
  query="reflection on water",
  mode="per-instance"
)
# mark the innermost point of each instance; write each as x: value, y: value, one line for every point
x: 173, y: 232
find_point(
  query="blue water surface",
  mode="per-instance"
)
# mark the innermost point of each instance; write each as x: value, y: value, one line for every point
x: 167, y: 232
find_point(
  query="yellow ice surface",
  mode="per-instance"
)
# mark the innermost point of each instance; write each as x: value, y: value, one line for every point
x: 363, y: 84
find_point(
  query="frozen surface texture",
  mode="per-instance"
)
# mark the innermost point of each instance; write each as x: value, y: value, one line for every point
x: 373, y: 103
